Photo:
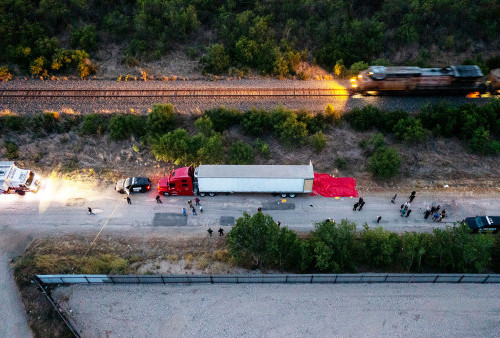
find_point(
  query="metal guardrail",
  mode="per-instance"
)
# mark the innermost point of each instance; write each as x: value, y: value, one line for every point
x: 271, y: 278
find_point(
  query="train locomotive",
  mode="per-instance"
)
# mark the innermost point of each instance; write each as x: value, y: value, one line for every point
x: 412, y: 80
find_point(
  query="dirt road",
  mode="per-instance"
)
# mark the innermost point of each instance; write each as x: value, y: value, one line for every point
x: 426, y: 310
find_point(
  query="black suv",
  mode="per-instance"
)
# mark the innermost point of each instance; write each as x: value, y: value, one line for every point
x: 483, y: 223
x: 133, y: 184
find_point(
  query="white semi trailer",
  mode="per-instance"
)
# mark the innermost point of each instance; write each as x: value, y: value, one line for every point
x: 286, y: 180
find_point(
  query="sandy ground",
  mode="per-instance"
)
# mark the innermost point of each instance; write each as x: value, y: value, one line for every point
x: 304, y: 310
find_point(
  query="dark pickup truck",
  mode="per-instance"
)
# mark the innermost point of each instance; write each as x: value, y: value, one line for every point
x: 483, y: 223
x: 133, y: 184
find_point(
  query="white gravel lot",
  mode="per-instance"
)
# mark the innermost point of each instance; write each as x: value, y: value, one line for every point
x: 267, y: 310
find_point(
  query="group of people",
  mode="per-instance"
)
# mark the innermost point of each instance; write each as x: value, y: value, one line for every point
x: 405, y: 210
x: 193, y: 209
x: 359, y: 204
x: 220, y: 231
x: 437, y: 215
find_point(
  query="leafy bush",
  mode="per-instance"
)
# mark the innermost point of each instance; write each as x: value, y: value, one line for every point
x: 122, y: 126
x: 44, y: 123
x: 241, y: 153
x: 161, y: 120
x: 333, y: 246
x: 94, y: 124
x: 363, y: 119
x: 379, y: 246
x: 11, y: 150
x: 257, y: 242
x: 212, y: 151
x: 262, y: 148
x: 11, y: 122
x: 256, y: 122
x: 291, y: 132
x: 410, y: 130
x: 178, y: 147
x: 217, y: 60
x: 454, y: 250
x: 384, y: 163
x: 223, y: 118
x: 318, y: 141
x: 204, y: 125
x: 85, y: 38
x: 331, y: 115
x: 340, y: 163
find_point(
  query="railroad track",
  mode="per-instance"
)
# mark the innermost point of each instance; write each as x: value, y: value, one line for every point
x: 172, y: 93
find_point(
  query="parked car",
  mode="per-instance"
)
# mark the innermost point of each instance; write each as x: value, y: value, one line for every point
x: 133, y: 184
x: 483, y: 223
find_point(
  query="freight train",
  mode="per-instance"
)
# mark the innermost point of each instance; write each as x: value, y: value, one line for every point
x: 415, y: 80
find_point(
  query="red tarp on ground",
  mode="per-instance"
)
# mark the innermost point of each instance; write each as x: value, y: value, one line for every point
x: 329, y: 186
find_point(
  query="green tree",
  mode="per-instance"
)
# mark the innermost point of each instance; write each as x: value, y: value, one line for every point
x: 318, y: 141
x: 410, y: 130
x: 413, y: 248
x: 291, y: 132
x: 379, y: 246
x: 162, y: 119
x: 204, y: 125
x: 257, y: 242
x: 212, y: 151
x: 94, y: 124
x: 262, y: 148
x: 217, y: 60
x: 177, y: 146
x: 334, y: 246
x: 223, y: 118
x: 385, y: 163
x: 241, y: 153
x: 256, y: 122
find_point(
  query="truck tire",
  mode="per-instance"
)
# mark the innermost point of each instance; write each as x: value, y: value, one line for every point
x: 292, y: 195
x: 166, y: 194
x: 202, y: 194
x: 283, y: 195
x: 20, y: 192
x: 211, y: 194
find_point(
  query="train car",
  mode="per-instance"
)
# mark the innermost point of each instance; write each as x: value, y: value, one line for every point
x: 494, y: 81
x: 452, y: 80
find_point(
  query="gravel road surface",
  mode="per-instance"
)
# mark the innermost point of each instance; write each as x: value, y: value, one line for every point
x: 304, y: 310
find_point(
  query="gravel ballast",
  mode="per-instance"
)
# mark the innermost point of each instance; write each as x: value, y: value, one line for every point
x: 278, y: 310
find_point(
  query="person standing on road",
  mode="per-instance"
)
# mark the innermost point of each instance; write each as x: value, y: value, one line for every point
x: 360, y: 201
x: 427, y: 212
x: 361, y: 205
x: 443, y: 213
x: 378, y: 219
x: 129, y: 201
x: 210, y: 231
x: 435, y: 217
x: 221, y: 232
x: 408, y: 213
x: 158, y: 200
x: 393, y: 199
x: 90, y: 211
x: 197, y: 201
x: 356, y: 205
x: 184, y: 212
x: 194, y: 212
x: 201, y: 208
x: 438, y: 207
x: 403, y: 211
x: 412, y: 196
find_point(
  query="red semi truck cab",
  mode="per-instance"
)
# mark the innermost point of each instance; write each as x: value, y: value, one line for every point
x: 179, y: 183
